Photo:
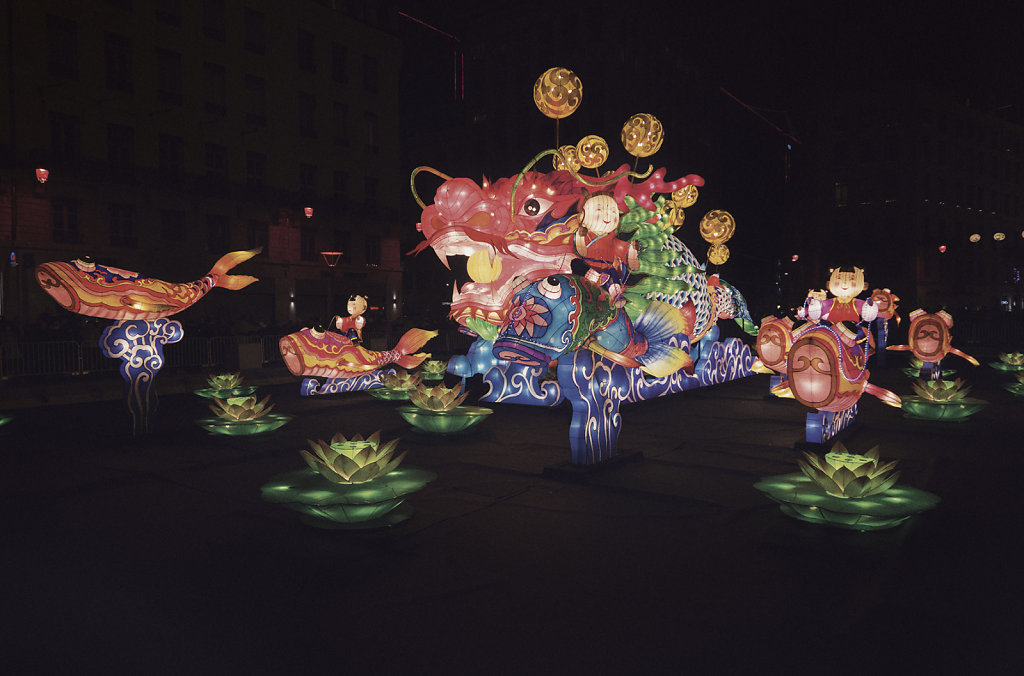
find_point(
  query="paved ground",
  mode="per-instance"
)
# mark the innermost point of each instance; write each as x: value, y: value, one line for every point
x: 157, y: 555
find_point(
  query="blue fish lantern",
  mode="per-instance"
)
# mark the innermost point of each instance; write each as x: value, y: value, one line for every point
x: 560, y: 314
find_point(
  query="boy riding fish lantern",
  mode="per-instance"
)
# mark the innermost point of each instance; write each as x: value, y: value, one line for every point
x: 609, y: 259
x: 930, y: 341
x: 845, y: 284
x: 352, y: 326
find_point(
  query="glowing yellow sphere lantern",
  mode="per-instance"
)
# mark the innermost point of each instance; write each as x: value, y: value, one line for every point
x: 558, y: 92
x: 717, y: 226
x: 480, y: 267
x: 718, y: 254
x: 571, y: 159
x: 642, y: 135
x: 686, y: 196
x: 674, y: 214
x: 592, y: 151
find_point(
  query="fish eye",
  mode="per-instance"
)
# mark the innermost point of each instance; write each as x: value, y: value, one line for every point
x: 551, y: 288
x: 534, y: 206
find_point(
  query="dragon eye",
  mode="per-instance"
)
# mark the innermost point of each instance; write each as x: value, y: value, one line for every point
x: 535, y: 206
x: 551, y: 288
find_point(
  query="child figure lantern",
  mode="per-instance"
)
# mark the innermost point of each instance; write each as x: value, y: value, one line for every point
x: 139, y: 307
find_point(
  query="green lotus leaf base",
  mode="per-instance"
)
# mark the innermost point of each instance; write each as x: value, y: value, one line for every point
x: 210, y: 393
x: 1003, y: 366
x: 458, y: 420
x: 802, y: 499
x: 324, y: 504
x: 389, y: 394
x: 5, y: 418
x: 433, y: 376
x: 920, y: 408
x: 916, y: 373
x: 241, y: 428
x: 1015, y: 388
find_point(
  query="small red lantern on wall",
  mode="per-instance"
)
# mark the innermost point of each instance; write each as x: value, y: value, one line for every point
x: 42, y: 174
x: 942, y: 248
x: 309, y: 212
x: 796, y: 257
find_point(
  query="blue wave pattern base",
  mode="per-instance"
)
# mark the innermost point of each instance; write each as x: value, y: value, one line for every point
x: 824, y: 425
x: 596, y: 388
x: 312, y: 387
x: 139, y: 344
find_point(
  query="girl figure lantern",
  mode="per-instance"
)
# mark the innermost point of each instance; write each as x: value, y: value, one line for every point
x: 352, y: 326
x: 930, y: 341
x: 845, y: 284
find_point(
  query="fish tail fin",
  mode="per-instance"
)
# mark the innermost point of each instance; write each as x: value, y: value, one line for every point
x: 662, y: 360
x: 411, y: 361
x: 413, y: 339
x: 228, y: 261
x: 887, y: 397
x: 659, y: 322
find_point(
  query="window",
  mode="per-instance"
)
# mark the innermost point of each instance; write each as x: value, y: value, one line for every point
x: 372, y: 243
x: 214, y: 25
x: 370, y: 73
x: 306, y: 51
x: 342, y: 243
x: 169, y: 12
x: 307, y: 179
x: 255, y: 167
x: 168, y: 76
x: 218, y: 234
x: 65, y: 221
x: 254, y: 31
x: 307, y: 244
x: 214, y: 88
x: 842, y: 196
x: 370, y: 185
x: 216, y: 162
x: 122, y: 225
x: 172, y: 225
x: 341, y: 190
x: 65, y: 137
x: 258, y: 234
x: 307, y: 115
x: 371, y: 131
x: 120, y: 147
x: 339, y: 63
x: 339, y: 122
x: 255, y: 101
x: 118, y: 51
x: 62, y: 47
x: 172, y: 155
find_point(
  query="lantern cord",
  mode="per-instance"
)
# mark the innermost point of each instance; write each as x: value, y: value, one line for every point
x: 412, y: 182
x: 608, y: 179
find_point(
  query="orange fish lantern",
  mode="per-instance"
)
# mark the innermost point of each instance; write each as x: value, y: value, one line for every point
x: 930, y: 341
x: 326, y: 354
x: 827, y: 369
x: 87, y: 288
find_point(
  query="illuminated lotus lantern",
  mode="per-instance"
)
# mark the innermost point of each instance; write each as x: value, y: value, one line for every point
x: 224, y: 385
x: 846, y: 490
x: 930, y: 341
x: 827, y: 370
x: 1016, y: 388
x: 5, y: 418
x: 139, y: 306
x: 941, y: 400
x: 1009, y: 361
x: 438, y: 410
x: 242, y: 416
x: 433, y: 369
x: 914, y: 366
x: 349, y: 484
x: 396, y: 386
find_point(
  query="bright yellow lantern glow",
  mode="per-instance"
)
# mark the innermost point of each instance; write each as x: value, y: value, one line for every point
x: 999, y: 236
x: 592, y: 151
x: 571, y: 157
x: 558, y: 92
x: 642, y: 135
x: 686, y: 196
x: 975, y: 238
x: 674, y: 213
x: 718, y: 254
x: 480, y: 267
x: 717, y: 226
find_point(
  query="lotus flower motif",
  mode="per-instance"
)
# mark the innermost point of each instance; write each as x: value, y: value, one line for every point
x: 224, y: 381
x: 352, y: 461
x: 241, y: 408
x: 438, y: 398
x: 1019, y: 375
x: 1012, y: 358
x: 849, y: 475
x: 915, y: 363
x: 401, y: 380
x: 434, y: 367
x: 941, y: 390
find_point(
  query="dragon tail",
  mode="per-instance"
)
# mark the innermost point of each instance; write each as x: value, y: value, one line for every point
x: 228, y: 261
x: 412, y: 340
